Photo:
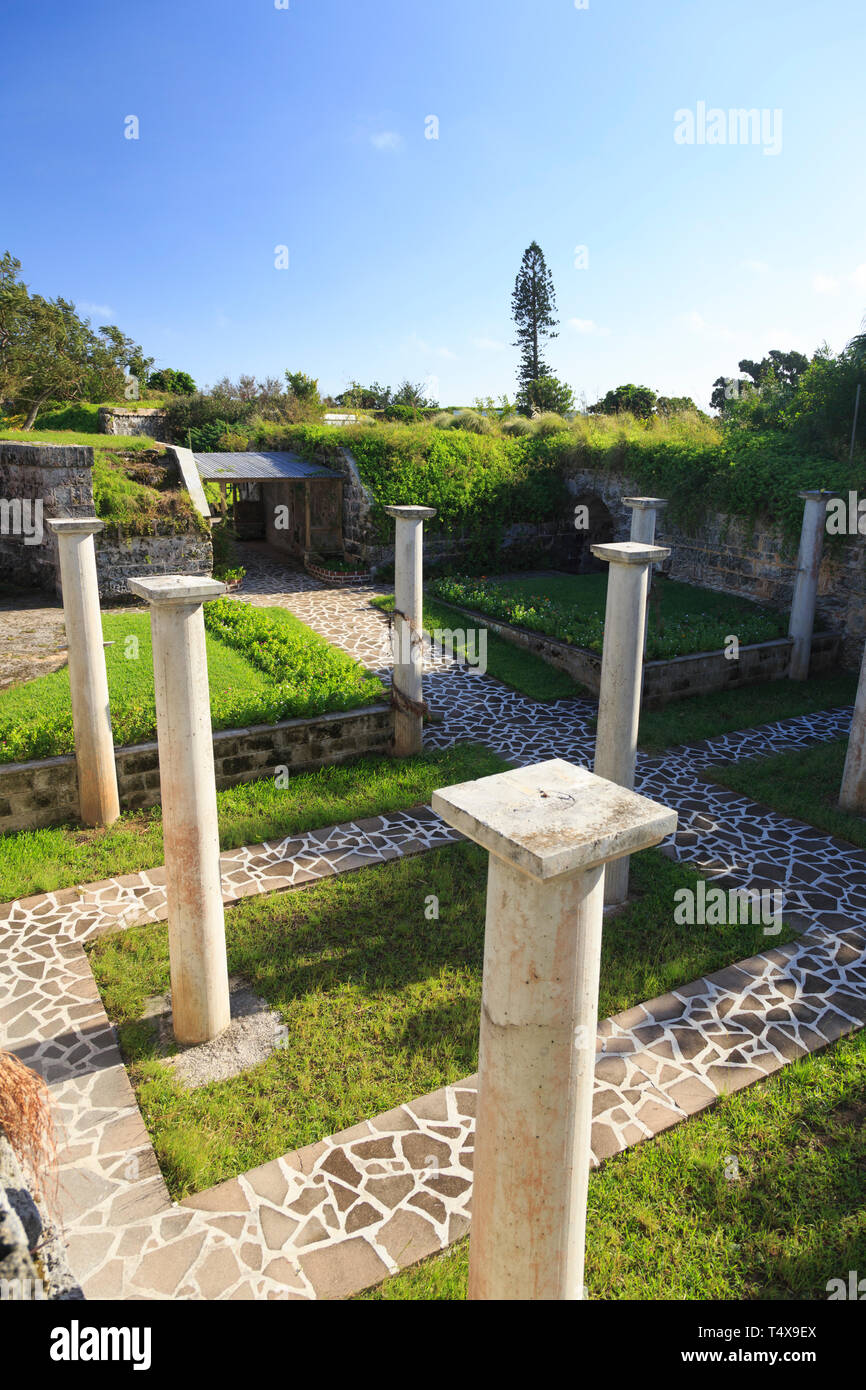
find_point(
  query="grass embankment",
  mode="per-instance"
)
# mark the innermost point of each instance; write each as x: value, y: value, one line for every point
x: 804, y: 784
x: 40, y: 861
x: 264, y: 665
x: 521, y: 670
x: 683, y: 619
x: 761, y: 1197
x: 380, y: 1000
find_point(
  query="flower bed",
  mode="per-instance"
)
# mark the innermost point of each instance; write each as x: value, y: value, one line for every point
x: 334, y: 571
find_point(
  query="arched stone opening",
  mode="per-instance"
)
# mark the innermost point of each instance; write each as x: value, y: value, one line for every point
x: 594, y: 525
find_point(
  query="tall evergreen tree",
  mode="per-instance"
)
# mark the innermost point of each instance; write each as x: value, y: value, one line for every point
x: 533, y: 306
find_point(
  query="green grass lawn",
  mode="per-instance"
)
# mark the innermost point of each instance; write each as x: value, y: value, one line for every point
x: 726, y: 711
x: 266, y: 666
x: 519, y: 669
x: 93, y: 441
x: 665, y: 1222
x: 804, y: 784
x: 381, y: 1004
x: 40, y: 861
x: 571, y: 607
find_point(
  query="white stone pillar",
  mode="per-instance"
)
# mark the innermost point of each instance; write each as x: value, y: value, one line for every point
x: 196, y: 921
x: 549, y: 830
x: 88, y: 684
x: 622, y: 675
x: 407, y: 680
x: 853, y: 794
x: 806, y: 582
x: 644, y: 511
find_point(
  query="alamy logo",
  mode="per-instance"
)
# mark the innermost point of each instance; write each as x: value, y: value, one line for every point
x: 738, y: 126
x: 855, y: 1289
x: 77, y: 1343
x: 22, y: 517
x: 713, y: 907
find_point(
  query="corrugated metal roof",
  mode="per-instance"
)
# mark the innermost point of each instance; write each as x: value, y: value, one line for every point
x: 226, y: 467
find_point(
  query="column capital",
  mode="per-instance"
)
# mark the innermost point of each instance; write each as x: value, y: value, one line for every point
x: 818, y: 495
x: 75, y: 525
x: 411, y: 513
x: 177, y: 589
x: 645, y: 504
x: 554, y: 819
x: 630, y: 553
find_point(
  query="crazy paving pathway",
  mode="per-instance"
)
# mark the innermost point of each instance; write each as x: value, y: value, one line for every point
x: 344, y: 1213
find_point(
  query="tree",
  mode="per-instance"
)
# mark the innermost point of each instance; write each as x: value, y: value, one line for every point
x: 675, y: 405
x: 533, y: 306
x: 545, y: 394
x: 304, y: 389
x: 172, y: 382
x: 411, y: 393
x: 360, y: 397
x: 47, y: 352
x: 639, y: 401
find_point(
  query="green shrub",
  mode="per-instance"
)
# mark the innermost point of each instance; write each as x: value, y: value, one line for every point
x: 549, y: 423
x: 310, y: 676
x: 516, y: 425
x: 473, y: 421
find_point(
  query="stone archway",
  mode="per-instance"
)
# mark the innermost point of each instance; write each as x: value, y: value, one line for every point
x: 600, y: 529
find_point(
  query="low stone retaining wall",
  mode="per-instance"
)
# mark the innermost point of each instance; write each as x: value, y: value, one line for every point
x: 120, y: 557
x: 328, y: 576
x: 45, y: 792
x: 113, y: 420
x: 677, y: 677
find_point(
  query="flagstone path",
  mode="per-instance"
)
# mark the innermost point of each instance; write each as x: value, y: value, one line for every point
x: 345, y: 1213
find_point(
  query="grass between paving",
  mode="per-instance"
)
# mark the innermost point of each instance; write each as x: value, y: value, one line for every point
x: 519, y: 669
x: 667, y: 1220
x: 804, y: 784
x: 381, y: 1001
x: 283, y: 670
x: 748, y: 707
x: 571, y: 607
x: 40, y: 861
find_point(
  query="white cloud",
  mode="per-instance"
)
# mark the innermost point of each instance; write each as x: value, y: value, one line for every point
x: 825, y: 284
x: 759, y: 267
x: 697, y: 324
x: 588, y: 326
x: 858, y: 277
x: 488, y: 345
x: 101, y: 311
x: 386, y: 140
x: 417, y: 344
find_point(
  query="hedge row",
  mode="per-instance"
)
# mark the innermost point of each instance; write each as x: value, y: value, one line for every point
x: 482, y: 480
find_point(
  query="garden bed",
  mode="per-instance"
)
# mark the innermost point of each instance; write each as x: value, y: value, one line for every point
x: 380, y: 999
x: 673, y: 677
x: 264, y: 666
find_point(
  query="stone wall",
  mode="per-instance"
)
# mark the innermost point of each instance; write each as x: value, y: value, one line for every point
x: 751, y: 560
x: 33, y: 1262
x: 113, y: 420
x: 45, y: 792
x: 120, y: 557
x: 60, y: 479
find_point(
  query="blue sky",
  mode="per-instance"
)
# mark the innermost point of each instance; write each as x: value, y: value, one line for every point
x: 305, y: 127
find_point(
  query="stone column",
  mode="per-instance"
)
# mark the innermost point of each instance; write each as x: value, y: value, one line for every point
x: 853, y: 794
x: 806, y: 583
x: 622, y: 675
x: 644, y: 511
x: 407, y: 680
x: 549, y: 830
x: 88, y: 684
x: 196, y: 922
